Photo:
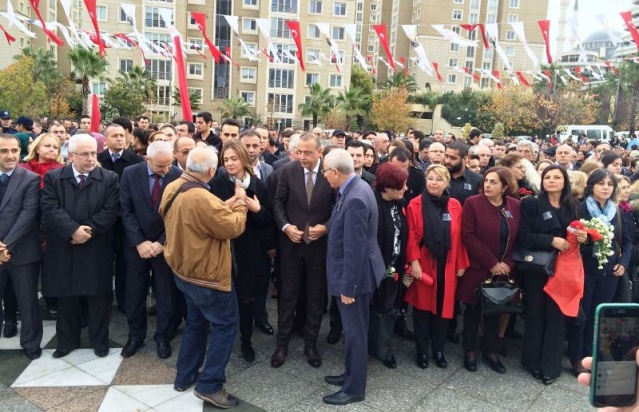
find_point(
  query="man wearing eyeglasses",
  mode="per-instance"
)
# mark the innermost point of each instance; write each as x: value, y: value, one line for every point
x: 80, y: 203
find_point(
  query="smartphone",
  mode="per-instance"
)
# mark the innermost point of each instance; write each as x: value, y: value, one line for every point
x: 614, y: 368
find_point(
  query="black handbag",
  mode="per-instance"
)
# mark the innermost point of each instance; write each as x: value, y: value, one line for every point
x: 499, y: 296
x: 541, y: 258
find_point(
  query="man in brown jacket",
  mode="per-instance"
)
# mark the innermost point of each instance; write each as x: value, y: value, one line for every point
x: 199, y: 228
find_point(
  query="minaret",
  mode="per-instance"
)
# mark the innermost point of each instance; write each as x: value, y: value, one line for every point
x: 564, y: 8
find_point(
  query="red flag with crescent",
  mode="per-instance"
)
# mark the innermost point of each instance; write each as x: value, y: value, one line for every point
x: 96, y: 117
x: 10, y: 38
x: 200, y: 20
x: 581, y: 76
x: 92, y: 9
x: 185, y: 101
x: 35, y: 4
x: 380, y: 29
x: 482, y: 30
x: 544, y: 25
x: 468, y: 72
x: 439, y: 76
x: 496, y: 76
x: 627, y: 18
x: 522, y: 79
x: 294, y: 27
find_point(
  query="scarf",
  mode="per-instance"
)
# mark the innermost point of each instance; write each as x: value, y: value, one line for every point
x: 41, y: 169
x: 244, y: 183
x: 606, y: 215
x: 438, y: 239
x: 625, y: 207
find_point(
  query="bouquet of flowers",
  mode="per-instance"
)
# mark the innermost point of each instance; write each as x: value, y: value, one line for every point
x: 392, y: 273
x: 601, y: 235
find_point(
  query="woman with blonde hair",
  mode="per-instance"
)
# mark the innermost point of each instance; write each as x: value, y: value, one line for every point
x: 577, y: 183
x: 590, y: 166
x: 44, y: 155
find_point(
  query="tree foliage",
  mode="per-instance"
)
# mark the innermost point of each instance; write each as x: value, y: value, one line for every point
x: 20, y: 92
x: 235, y: 107
x: 128, y: 93
x: 318, y: 104
x: 498, y: 130
x: 87, y: 64
x: 362, y: 80
x: 401, y: 80
x: 390, y: 110
x: 353, y: 102
x: 195, y: 97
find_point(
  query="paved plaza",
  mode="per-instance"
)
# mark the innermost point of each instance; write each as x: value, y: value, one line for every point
x: 83, y: 382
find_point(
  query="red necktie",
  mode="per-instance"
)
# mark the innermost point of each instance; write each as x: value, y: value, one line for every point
x: 155, y: 192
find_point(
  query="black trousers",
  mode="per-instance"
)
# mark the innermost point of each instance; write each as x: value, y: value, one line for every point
x: 544, y: 331
x: 261, y: 293
x: 120, y: 264
x: 334, y: 315
x: 10, y: 302
x: 98, y: 315
x: 304, y: 265
x: 166, y: 296
x: 25, y: 287
x: 472, y: 320
x: 429, y: 328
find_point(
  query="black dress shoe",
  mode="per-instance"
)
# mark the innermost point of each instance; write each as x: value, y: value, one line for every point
x: 452, y: 336
x: 336, y: 380
x: 340, y: 398
x: 131, y: 347
x: 248, y: 353
x: 470, y: 362
x: 536, y: 374
x: 279, y: 356
x: 390, y: 361
x: 266, y: 328
x: 312, y: 356
x: 548, y: 381
x: 422, y: 361
x: 10, y: 329
x: 163, y: 349
x: 495, y: 364
x: 101, y: 352
x: 333, y: 336
x: 440, y: 360
x: 61, y: 353
x: 33, y: 353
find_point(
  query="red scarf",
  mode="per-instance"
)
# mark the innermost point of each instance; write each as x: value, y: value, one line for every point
x: 42, y: 168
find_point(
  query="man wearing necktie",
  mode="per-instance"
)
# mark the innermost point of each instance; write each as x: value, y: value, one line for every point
x: 302, y: 207
x: 116, y: 159
x: 20, y: 252
x: 80, y: 204
x: 141, y: 189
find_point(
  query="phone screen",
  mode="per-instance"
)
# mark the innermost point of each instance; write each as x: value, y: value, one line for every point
x: 616, y: 369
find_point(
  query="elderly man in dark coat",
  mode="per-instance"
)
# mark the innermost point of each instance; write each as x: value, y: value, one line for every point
x: 80, y: 204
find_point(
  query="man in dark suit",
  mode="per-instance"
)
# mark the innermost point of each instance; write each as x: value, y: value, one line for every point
x: 355, y: 268
x: 302, y: 206
x: 80, y: 204
x: 141, y: 189
x: 20, y: 251
x: 116, y: 159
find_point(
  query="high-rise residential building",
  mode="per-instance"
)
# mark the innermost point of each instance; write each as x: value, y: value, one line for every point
x: 22, y: 8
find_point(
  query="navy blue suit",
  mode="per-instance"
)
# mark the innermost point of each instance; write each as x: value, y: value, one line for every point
x: 354, y: 268
x: 141, y: 223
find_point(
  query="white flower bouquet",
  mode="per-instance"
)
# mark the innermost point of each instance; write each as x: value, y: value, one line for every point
x: 602, y: 235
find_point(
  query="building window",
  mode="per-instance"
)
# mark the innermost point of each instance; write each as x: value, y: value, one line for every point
x: 468, y: 81
x: 491, y: 18
x: 152, y: 18
x: 474, y: 4
x: 195, y: 70
x: 284, y: 6
x: 510, y: 35
x: 126, y: 65
x: 458, y: 1
x: 417, y: 14
x: 98, y: 88
x: 470, y: 65
x: 312, y: 78
x: 164, y: 95
x: 158, y: 38
x: 485, y: 65
x: 473, y: 18
x: 248, y: 74
x: 248, y: 25
x: 313, y: 32
x: 281, y: 78
x: 453, y: 46
x: 252, y: 49
x: 335, y: 80
x: 315, y: 7
x: 472, y: 35
x: 339, y: 8
x: 371, y: 48
x: 123, y: 17
x: 282, y: 103
x: 451, y: 79
x: 452, y: 62
x: 284, y: 57
x: 196, y: 44
x: 279, y: 28
x: 513, y: 4
x: 313, y: 55
x: 373, y: 7
x: 101, y: 13
x: 510, y: 51
x: 159, y: 69
x: 493, y: 5
x: 470, y: 52
x: 458, y: 14
x: 248, y: 97
x: 251, y: 4
x: 197, y: 94
x: 338, y: 33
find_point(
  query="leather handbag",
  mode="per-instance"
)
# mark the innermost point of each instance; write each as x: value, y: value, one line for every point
x: 498, y: 295
x: 543, y: 258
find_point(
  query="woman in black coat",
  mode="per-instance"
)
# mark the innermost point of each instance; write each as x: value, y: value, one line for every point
x: 392, y: 232
x: 251, y: 262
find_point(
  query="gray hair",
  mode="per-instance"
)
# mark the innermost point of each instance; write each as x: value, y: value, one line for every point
x: 340, y: 160
x: 485, y: 142
x: 159, y: 147
x: 80, y: 138
x: 206, y: 159
x: 473, y: 150
x: 523, y: 143
x: 295, y: 140
x: 310, y: 136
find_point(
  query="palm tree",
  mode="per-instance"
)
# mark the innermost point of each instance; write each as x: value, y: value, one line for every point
x: 353, y: 103
x: 234, y: 107
x: 318, y: 104
x: 45, y: 67
x: 401, y: 80
x: 139, y: 81
x: 195, y: 96
x: 87, y: 64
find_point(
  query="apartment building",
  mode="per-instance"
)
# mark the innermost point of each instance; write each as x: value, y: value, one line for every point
x: 22, y: 8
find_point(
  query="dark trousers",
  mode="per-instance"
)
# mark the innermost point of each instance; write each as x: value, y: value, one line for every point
x: 355, y: 318
x: 597, y: 289
x: 166, y: 296
x: 472, y: 319
x: 261, y: 293
x: 304, y: 265
x: 10, y: 302
x: 25, y: 286
x: 429, y: 328
x: 120, y: 265
x: 334, y: 315
x: 98, y: 315
x: 544, y: 331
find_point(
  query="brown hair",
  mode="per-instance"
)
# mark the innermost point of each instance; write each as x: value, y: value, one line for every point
x: 507, y: 180
x: 241, y: 152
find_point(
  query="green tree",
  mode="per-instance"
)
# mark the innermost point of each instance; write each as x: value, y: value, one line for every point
x: 318, y: 104
x: 235, y: 107
x: 466, y: 107
x: 401, y: 80
x: 87, y: 64
x: 45, y: 67
x: 140, y: 83
x: 390, y: 110
x: 498, y: 130
x: 195, y: 97
x: 362, y: 80
x: 128, y: 93
x: 20, y: 92
x: 353, y: 102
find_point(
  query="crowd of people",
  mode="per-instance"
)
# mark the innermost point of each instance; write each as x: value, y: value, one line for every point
x: 206, y: 219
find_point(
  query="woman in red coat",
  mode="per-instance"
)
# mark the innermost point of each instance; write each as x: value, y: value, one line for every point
x: 436, y: 261
x: 490, y: 223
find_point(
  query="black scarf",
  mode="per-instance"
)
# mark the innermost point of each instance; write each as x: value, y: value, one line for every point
x: 436, y: 230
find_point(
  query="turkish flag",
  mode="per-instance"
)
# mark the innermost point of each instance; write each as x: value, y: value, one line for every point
x: 380, y: 29
x: 544, y: 25
x: 294, y: 27
x: 92, y: 9
x: 185, y: 101
x: 522, y: 79
x: 96, y: 117
x: 35, y: 4
x: 627, y: 18
x: 496, y: 75
x: 10, y: 38
x: 439, y: 76
x: 200, y: 20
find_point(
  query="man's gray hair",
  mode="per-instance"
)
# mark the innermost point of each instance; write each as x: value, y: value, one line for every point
x: 207, y: 159
x: 485, y: 142
x: 80, y: 138
x: 523, y: 143
x: 159, y: 147
x: 295, y: 140
x: 340, y: 160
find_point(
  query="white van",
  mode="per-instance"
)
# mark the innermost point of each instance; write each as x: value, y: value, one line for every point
x: 593, y: 132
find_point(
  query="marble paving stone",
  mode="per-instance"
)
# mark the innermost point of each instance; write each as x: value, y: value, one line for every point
x: 272, y: 390
x: 10, y: 401
x: 48, y: 332
x: 143, y: 370
x: 184, y: 402
x: 314, y: 403
x: 105, y: 368
x: 397, y: 400
x: 152, y: 395
x: 67, y: 377
x: 555, y: 395
x: 46, y: 365
x: 297, y: 365
x: 69, y: 399
x: 118, y: 401
x: 446, y: 399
